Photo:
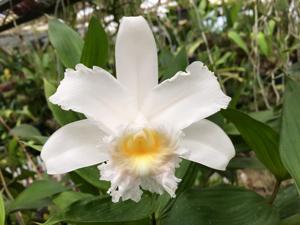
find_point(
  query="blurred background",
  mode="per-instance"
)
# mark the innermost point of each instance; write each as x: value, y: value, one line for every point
x: 250, y: 45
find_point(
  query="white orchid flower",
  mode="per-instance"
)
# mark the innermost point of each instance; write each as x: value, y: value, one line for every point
x: 136, y: 129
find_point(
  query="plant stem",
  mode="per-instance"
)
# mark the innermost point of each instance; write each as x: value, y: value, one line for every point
x: 153, y: 220
x: 9, y: 195
x: 275, y: 192
x: 5, y: 188
x: 30, y: 160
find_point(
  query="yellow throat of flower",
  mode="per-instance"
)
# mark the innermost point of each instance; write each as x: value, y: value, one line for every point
x: 142, y: 152
x: 143, y: 143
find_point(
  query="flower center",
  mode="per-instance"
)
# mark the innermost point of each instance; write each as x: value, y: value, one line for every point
x: 142, y: 158
x: 141, y: 144
x: 142, y: 152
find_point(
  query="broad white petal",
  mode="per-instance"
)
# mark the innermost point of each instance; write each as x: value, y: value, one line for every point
x: 73, y: 146
x: 136, y: 57
x: 185, y: 98
x: 208, y: 145
x: 97, y: 94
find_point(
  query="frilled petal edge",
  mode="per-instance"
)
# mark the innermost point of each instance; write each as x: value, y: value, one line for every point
x: 185, y: 98
x: 97, y: 94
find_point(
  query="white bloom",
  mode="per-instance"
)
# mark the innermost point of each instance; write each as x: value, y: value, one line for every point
x: 84, y: 12
x: 109, y: 18
x: 161, y: 7
x: 147, y: 4
x: 136, y: 129
x: 112, y: 27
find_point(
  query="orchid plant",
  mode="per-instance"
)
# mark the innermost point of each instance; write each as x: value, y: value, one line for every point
x: 136, y: 130
x: 134, y: 141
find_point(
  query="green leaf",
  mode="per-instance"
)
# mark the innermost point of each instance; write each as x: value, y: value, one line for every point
x: 66, y: 42
x: 58, y: 218
x: 243, y: 162
x: 138, y: 222
x: 202, y: 6
x: 33, y: 146
x: 55, y: 219
x: 91, y: 175
x: 61, y: 116
x: 290, y: 128
x: 95, y: 50
x: 82, y: 184
x: 282, y: 6
x: 223, y: 205
x: 28, y: 132
x: 268, y: 117
x: 262, y: 43
x: 236, y: 38
x: 287, y: 201
x: 223, y: 59
x: 25, y: 131
x: 187, y: 173
x: 36, y: 195
x: 292, y: 220
x: 99, y: 210
x: 2, y: 210
x: 171, y: 64
x: 234, y: 11
x: 271, y: 27
x: 192, y: 47
x: 261, y: 138
x: 263, y: 116
x: 65, y: 199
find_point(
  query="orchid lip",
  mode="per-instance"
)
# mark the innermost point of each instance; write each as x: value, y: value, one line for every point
x: 142, y: 156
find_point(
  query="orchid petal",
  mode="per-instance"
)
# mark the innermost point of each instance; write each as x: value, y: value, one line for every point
x: 136, y: 57
x: 73, y: 146
x: 208, y: 144
x: 185, y: 98
x: 97, y: 94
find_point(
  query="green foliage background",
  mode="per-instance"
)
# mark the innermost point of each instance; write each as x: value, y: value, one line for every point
x: 254, y: 49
